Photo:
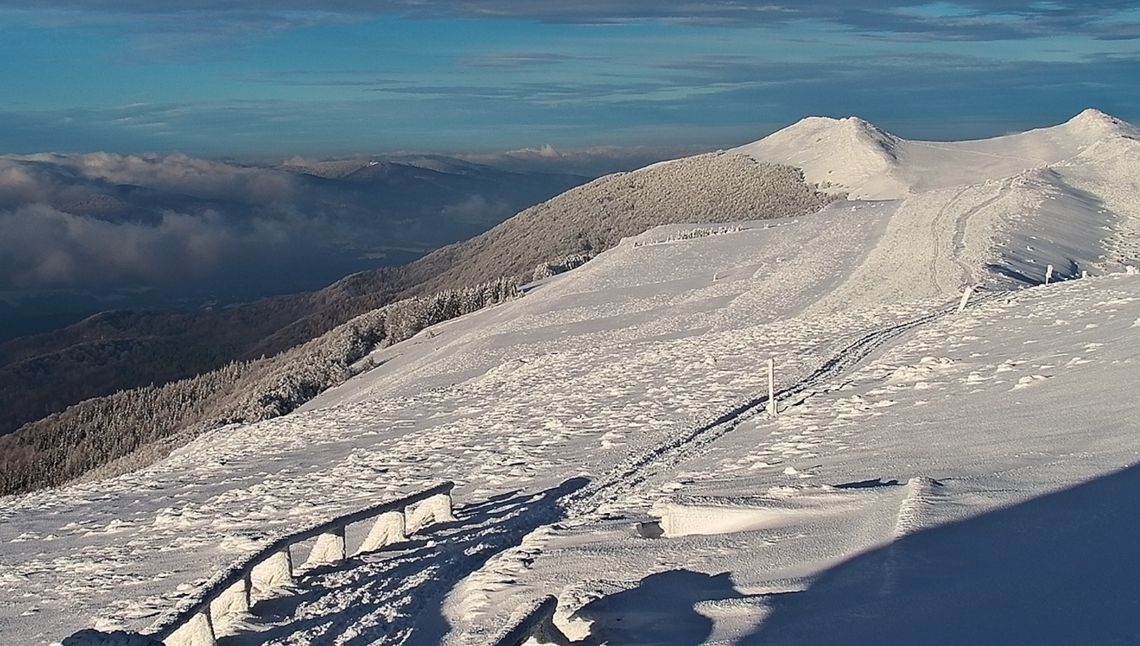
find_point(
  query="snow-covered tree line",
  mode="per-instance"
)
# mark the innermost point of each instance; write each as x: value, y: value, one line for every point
x: 129, y: 429
x: 405, y: 318
x: 555, y: 267
x: 691, y: 234
x: 702, y: 190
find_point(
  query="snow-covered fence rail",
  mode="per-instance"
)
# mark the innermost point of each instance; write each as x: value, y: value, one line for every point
x: 536, y: 621
x: 232, y: 591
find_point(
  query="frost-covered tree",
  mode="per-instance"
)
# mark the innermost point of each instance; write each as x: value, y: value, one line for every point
x: 565, y: 264
x: 109, y: 435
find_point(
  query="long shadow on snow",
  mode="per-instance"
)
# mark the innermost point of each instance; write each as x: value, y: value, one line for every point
x: 1021, y: 279
x: 1060, y: 569
x: 660, y: 610
x: 412, y: 577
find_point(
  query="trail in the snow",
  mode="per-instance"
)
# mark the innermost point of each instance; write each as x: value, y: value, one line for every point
x: 920, y: 494
x: 958, y: 242
x: 627, y: 476
x: 938, y: 227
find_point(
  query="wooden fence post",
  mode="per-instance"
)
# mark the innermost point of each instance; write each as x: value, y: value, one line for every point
x: 436, y: 509
x: 274, y: 572
x: 965, y: 298
x: 772, y: 407
x: 328, y: 549
x: 234, y: 601
x: 389, y: 528
x: 199, y: 631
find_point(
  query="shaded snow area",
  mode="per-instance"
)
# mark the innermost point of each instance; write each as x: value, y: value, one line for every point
x: 933, y: 476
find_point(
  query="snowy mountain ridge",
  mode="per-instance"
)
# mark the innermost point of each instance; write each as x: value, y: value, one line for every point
x: 935, y: 474
x: 859, y: 158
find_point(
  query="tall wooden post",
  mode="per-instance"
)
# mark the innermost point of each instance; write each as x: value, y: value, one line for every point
x: 965, y: 298
x: 772, y: 387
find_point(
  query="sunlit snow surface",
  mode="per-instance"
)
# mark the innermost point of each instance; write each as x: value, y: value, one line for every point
x: 937, y: 478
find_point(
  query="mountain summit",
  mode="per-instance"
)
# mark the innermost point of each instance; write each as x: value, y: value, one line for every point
x: 1095, y: 125
x: 850, y: 155
x: 856, y: 157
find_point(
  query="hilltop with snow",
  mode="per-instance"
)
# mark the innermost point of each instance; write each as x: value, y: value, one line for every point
x: 867, y: 163
x: 934, y: 475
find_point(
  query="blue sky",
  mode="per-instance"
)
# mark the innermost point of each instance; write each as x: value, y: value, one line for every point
x: 257, y: 78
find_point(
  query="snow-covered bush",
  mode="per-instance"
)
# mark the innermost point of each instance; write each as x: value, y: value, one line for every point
x: 406, y: 318
x: 555, y: 267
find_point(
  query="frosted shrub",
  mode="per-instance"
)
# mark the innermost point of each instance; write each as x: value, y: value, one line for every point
x: 555, y: 267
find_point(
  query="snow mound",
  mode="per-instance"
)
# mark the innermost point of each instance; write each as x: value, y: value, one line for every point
x: 853, y: 156
x: 1096, y: 125
x: 847, y: 155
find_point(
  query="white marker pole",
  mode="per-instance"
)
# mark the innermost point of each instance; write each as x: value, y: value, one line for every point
x: 1084, y: 273
x: 1048, y: 273
x: 771, y: 387
x: 965, y: 297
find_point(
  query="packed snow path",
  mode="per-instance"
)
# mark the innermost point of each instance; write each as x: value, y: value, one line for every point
x: 616, y: 368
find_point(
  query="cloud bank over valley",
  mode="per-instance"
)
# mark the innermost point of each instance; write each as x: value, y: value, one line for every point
x: 84, y: 232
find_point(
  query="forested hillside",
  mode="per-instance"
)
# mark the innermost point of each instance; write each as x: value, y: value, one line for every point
x: 137, y: 426
x: 143, y: 351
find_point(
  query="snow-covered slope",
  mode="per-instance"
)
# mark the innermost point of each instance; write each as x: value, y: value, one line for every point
x: 847, y: 155
x: 961, y: 487
x: 857, y: 157
x: 927, y: 468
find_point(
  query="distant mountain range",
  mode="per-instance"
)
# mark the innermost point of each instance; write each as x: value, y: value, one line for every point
x: 81, y: 234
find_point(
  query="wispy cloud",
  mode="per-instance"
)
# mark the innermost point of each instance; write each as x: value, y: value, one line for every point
x: 519, y: 59
x: 99, y: 219
x: 710, y: 100
x: 43, y: 247
x: 961, y: 19
x: 350, y: 76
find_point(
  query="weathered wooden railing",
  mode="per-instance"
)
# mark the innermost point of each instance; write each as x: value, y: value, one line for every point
x: 233, y: 591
